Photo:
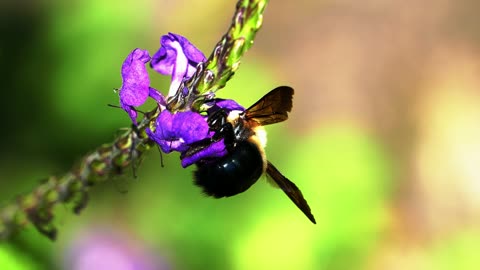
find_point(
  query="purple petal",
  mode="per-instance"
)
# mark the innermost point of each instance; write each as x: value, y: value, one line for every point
x: 132, y: 113
x: 175, y: 131
x: 157, y: 96
x: 176, y: 57
x: 163, y: 131
x: 214, y: 150
x: 191, y: 127
x: 136, y: 83
x: 229, y: 104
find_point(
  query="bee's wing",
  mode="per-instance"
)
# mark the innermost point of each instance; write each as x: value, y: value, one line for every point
x: 291, y: 190
x: 271, y: 108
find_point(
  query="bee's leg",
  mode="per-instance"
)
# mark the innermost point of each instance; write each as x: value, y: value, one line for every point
x: 217, y: 119
x: 210, y: 148
x: 226, y: 133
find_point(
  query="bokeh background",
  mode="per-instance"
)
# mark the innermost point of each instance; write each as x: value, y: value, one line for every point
x: 383, y: 140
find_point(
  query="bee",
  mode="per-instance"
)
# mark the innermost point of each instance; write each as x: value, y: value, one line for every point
x: 245, y: 139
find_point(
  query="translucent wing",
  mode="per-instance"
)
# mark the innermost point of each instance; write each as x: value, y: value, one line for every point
x: 271, y: 108
x: 291, y: 190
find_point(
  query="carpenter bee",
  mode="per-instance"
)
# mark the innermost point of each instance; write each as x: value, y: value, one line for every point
x: 245, y: 138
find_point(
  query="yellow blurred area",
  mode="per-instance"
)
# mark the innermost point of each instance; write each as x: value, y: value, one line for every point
x: 383, y: 139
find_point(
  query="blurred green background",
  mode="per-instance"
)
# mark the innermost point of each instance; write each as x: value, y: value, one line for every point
x: 383, y: 140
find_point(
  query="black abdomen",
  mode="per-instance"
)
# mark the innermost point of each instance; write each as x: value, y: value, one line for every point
x: 231, y: 174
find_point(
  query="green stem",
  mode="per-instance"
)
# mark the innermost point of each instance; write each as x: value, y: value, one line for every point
x: 106, y: 161
x: 109, y: 160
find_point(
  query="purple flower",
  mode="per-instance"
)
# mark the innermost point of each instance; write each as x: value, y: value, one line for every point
x: 136, y: 83
x: 179, y: 131
x: 176, y: 57
x: 173, y: 131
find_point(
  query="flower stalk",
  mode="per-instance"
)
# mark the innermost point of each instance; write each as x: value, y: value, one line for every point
x: 107, y: 161
x: 213, y: 75
x: 125, y: 152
